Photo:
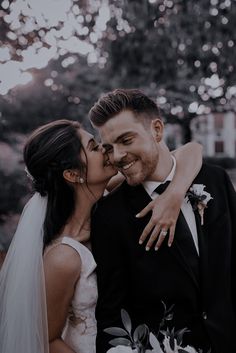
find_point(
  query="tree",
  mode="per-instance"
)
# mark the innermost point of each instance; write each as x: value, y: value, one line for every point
x: 180, y: 52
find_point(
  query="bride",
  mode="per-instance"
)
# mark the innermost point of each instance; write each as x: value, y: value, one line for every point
x: 47, y: 282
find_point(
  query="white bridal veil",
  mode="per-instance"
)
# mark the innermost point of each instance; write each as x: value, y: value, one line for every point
x: 23, y: 316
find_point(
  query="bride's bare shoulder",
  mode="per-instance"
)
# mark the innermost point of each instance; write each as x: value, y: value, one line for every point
x: 62, y: 259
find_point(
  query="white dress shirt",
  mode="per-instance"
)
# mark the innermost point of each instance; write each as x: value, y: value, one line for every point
x: 186, y: 207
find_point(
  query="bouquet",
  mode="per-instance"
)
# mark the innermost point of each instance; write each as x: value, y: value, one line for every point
x: 141, y: 339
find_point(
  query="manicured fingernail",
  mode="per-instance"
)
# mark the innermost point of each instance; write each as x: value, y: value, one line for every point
x: 169, y: 244
x: 147, y: 248
x: 140, y: 242
x: 156, y: 248
x: 137, y: 215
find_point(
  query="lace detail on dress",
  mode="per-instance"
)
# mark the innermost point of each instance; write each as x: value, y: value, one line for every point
x: 81, y: 328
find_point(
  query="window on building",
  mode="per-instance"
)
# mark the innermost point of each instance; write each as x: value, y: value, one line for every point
x: 219, y: 121
x: 219, y: 146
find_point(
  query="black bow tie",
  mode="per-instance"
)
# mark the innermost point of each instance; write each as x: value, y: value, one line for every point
x: 161, y: 188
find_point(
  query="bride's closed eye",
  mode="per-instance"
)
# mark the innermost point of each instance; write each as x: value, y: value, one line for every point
x: 96, y: 148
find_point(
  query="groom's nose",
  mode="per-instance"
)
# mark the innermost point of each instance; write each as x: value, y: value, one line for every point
x: 118, y: 154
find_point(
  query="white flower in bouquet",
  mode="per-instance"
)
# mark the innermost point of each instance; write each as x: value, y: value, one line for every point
x: 141, y: 339
x: 168, y: 349
x: 122, y: 349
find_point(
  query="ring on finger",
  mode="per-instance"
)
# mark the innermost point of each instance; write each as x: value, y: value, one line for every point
x: 163, y: 232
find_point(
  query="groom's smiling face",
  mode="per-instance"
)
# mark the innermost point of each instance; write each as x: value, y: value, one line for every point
x: 131, y: 146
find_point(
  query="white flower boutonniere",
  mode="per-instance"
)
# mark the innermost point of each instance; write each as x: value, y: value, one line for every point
x: 199, y: 198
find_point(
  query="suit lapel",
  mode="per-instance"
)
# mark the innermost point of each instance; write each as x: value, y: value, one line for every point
x: 138, y: 198
x: 203, y: 254
x: 181, y: 254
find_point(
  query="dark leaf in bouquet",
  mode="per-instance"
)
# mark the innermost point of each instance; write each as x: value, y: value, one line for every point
x: 120, y: 342
x: 115, y: 331
x: 179, y: 335
x: 169, y: 317
x: 154, y: 343
x: 126, y: 320
x: 172, y: 339
x: 180, y: 350
x: 170, y: 308
x: 141, y: 333
x: 162, y: 323
x: 166, y: 332
x: 164, y: 305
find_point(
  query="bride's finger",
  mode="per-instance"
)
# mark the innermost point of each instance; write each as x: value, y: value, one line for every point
x: 163, y: 234
x: 171, y: 234
x: 147, y: 230
x: 153, y: 237
x: 145, y: 210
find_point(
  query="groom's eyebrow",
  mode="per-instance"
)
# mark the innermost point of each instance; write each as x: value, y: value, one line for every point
x: 120, y: 137
x: 125, y: 134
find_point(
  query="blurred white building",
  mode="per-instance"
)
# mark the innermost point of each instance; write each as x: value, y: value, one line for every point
x: 217, y: 133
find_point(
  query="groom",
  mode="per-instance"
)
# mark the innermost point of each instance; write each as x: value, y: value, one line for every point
x: 197, y: 274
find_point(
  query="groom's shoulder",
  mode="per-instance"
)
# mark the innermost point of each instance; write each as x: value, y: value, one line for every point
x: 211, y: 170
x: 115, y: 196
x: 212, y: 176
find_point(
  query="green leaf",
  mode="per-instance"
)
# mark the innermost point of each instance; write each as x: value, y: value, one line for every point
x: 170, y: 308
x: 172, y: 339
x: 155, y: 343
x: 140, y: 333
x: 116, y: 331
x: 126, y: 320
x: 120, y: 342
x: 179, y: 335
x: 169, y: 317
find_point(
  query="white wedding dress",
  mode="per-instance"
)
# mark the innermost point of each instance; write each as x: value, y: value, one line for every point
x: 81, y: 327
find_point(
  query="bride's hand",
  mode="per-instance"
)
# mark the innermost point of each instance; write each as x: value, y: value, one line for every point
x: 165, y: 211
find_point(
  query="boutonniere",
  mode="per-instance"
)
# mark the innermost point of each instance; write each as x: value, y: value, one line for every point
x: 199, y: 199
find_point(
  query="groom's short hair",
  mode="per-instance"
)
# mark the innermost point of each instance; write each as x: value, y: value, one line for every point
x: 119, y: 100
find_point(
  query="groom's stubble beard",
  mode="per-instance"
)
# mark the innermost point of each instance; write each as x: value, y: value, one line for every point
x: 144, y: 171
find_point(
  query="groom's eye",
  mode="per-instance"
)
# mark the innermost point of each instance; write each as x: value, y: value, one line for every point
x: 127, y: 141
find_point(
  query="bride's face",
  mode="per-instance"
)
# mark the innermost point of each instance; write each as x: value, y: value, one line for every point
x: 99, y: 170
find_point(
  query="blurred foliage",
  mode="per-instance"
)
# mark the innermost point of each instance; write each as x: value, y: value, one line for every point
x: 181, y: 53
x: 12, y: 193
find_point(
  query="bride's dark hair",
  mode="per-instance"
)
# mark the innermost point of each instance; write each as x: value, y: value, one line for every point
x: 50, y: 150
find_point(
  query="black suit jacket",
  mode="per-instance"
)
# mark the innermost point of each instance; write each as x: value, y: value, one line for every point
x: 136, y: 280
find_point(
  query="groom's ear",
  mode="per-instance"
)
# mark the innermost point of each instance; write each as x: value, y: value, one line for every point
x: 157, y: 129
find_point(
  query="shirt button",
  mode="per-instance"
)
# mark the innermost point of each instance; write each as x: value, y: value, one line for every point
x: 204, y: 315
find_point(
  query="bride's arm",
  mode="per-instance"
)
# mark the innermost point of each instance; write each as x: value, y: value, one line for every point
x: 62, y: 268
x: 165, y: 208
x: 115, y: 181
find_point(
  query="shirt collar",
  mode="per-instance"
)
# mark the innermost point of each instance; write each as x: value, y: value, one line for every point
x: 150, y: 186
